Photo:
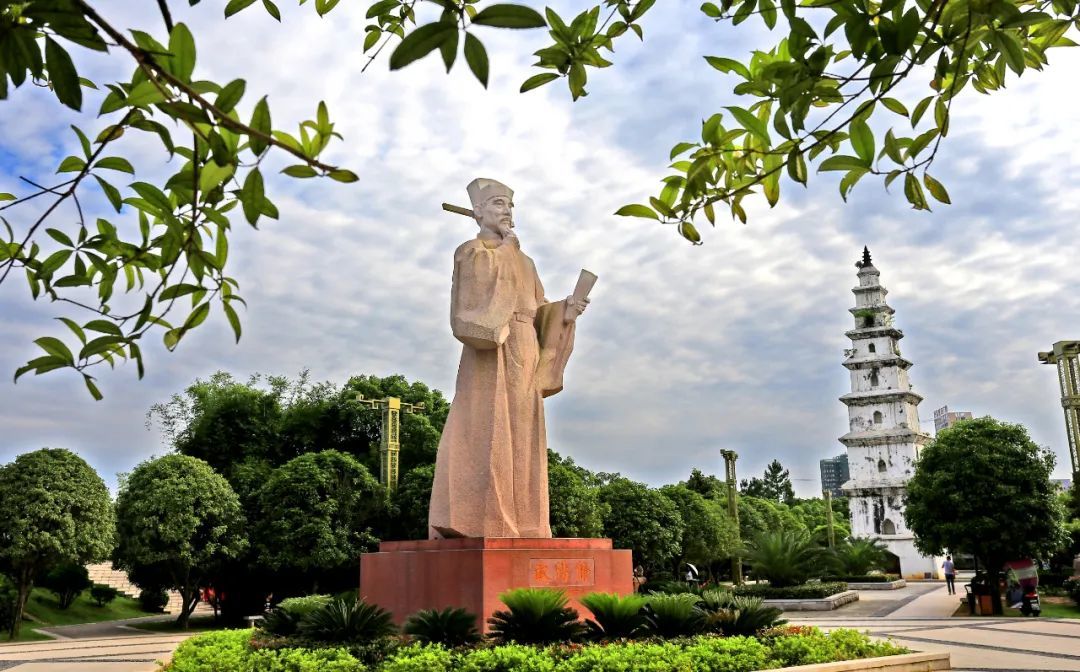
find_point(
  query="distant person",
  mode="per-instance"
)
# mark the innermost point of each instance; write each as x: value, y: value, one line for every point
x: 950, y: 574
x: 639, y: 578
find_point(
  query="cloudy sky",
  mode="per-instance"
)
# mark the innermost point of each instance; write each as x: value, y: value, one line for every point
x: 685, y: 350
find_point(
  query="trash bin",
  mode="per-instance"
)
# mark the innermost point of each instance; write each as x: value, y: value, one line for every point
x: 970, y: 598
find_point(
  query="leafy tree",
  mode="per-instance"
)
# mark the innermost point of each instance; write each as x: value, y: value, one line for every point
x: 411, y: 502
x: 826, y: 95
x: 644, y: 520
x: 176, y: 518
x: 576, y: 509
x: 775, y: 484
x: 707, y: 485
x: 762, y: 515
x: 54, y: 508
x: 812, y: 515
x: 316, y: 513
x: 983, y: 487
x: 708, y: 533
x: 67, y: 581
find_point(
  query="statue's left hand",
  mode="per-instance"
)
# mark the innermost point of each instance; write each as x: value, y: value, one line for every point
x: 574, y: 308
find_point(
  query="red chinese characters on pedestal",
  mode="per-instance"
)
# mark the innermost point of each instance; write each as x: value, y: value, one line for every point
x: 556, y: 572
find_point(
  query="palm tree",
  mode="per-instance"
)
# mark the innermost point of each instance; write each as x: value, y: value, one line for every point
x: 786, y: 558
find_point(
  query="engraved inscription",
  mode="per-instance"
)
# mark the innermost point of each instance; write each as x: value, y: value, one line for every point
x: 561, y: 572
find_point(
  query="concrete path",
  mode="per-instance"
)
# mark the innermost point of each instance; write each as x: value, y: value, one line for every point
x: 94, y: 647
x: 918, y: 617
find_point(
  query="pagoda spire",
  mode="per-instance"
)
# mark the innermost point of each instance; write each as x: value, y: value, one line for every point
x: 865, y: 258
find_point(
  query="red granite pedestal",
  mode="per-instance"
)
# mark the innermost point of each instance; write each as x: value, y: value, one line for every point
x: 407, y: 576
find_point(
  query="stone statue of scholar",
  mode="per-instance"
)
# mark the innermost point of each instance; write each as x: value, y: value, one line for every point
x: 491, y: 477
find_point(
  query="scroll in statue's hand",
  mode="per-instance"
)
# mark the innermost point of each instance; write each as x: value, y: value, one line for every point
x: 574, y: 307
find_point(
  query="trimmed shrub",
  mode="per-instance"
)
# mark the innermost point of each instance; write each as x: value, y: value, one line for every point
x: 534, y: 616
x: 813, y: 646
x: 672, y: 615
x: 450, y: 627
x: 614, y: 616
x: 1054, y: 579
x: 1072, y: 587
x: 420, y: 658
x: 861, y: 578
x: 279, y: 622
x: 212, y: 651
x: 302, y: 606
x: 809, y: 591
x: 153, y: 599
x: 103, y: 594
x: 67, y: 581
x: 342, y: 622
x: 302, y: 660
x: 507, y: 658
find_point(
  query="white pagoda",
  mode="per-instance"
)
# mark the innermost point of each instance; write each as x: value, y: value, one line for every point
x: 884, y: 437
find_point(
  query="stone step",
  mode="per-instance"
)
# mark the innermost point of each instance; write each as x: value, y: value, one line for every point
x: 103, y: 573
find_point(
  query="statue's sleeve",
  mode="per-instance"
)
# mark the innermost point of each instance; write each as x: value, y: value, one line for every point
x: 482, y: 302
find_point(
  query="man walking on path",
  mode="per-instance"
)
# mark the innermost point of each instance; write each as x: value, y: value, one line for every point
x: 950, y: 574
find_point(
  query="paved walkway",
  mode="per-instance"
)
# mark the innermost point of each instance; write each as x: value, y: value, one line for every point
x: 919, y: 617
x: 111, y: 646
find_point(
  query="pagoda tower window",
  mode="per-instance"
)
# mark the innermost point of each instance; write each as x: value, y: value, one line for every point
x: 871, y: 348
x: 881, y: 467
x: 878, y: 417
x: 888, y: 527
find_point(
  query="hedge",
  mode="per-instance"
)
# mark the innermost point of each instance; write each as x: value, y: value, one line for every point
x: 862, y: 578
x: 231, y: 651
x: 807, y: 591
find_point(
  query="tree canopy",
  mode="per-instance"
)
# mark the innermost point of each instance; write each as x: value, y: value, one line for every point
x: 983, y: 487
x: 774, y: 484
x: 176, y: 520
x: 643, y: 519
x: 54, y: 509
x: 860, y: 88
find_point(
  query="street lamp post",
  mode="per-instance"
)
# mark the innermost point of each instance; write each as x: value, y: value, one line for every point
x: 390, y: 445
x: 1066, y: 356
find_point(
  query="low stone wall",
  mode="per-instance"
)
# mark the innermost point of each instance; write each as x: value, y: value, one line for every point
x: 879, y: 585
x: 824, y: 604
x: 908, y: 662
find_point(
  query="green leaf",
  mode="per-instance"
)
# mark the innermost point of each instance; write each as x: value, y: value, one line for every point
x: 115, y: 163
x: 477, y: 58
x: 509, y: 16
x: 751, y: 123
x: 235, y: 6
x: 71, y: 164
x: 230, y: 95
x: 182, y: 50
x: 56, y: 348
x: 841, y: 162
x: 688, y: 231
x: 234, y: 319
x: 260, y: 121
x: 914, y: 193
x: 796, y: 166
x: 83, y: 140
x: 300, y: 170
x: 60, y: 237
x: 62, y: 74
x: 421, y: 42
x: 342, y: 175
x: 381, y: 7
x: 322, y: 7
x: 937, y: 189
x: 895, y: 106
x: 272, y: 10
x: 252, y: 195
x: 154, y: 196
x: 7, y: 197
x: 728, y: 65
x: 111, y: 193
x: 75, y: 328
x: 145, y: 93
x: 104, y: 327
x: 862, y: 141
x: 538, y: 80
x: 1010, y: 46
x: 93, y: 389
x: 637, y: 211
x: 197, y: 316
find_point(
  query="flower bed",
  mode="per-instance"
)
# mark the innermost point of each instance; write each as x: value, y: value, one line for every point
x: 233, y: 651
x: 806, y: 591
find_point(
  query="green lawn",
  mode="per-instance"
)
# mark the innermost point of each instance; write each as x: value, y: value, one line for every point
x: 1049, y: 610
x: 44, y: 607
x: 26, y: 634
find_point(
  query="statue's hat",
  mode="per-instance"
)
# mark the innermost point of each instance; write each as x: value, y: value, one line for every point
x: 481, y: 189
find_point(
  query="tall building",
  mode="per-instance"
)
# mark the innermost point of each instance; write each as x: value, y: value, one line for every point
x: 944, y: 418
x: 884, y: 438
x: 834, y: 473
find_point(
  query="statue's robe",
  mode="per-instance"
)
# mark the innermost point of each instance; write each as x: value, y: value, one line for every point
x: 491, y: 469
